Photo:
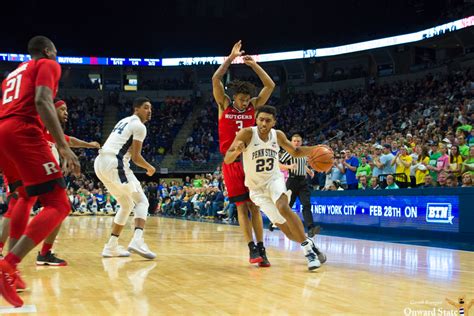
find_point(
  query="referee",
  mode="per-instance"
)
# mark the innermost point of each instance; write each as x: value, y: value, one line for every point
x: 297, y: 183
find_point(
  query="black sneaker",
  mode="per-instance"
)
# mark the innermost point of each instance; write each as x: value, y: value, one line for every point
x: 255, y: 255
x: 265, y: 263
x: 49, y: 259
x: 313, y: 231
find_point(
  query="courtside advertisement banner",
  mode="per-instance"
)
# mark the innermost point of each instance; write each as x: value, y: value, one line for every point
x: 431, y: 213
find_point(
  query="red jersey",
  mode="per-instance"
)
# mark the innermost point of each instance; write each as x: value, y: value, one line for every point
x: 19, y: 87
x: 232, y: 121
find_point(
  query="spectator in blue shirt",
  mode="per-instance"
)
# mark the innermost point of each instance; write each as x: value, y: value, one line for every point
x: 351, y: 165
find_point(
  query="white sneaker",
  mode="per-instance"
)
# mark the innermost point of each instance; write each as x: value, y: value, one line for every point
x: 139, y: 247
x: 313, y: 262
x: 114, y: 251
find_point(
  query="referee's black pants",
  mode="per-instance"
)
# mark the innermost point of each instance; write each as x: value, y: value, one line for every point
x: 300, y: 188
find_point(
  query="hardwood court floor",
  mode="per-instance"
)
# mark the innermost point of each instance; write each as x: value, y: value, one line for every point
x: 202, y: 269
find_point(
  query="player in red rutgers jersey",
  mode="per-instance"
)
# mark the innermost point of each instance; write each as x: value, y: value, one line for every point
x: 233, y: 116
x: 45, y: 255
x: 26, y: 159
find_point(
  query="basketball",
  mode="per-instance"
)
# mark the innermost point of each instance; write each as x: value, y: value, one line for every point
x: 321, y: 159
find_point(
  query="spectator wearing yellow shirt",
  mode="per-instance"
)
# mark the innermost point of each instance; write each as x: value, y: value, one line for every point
x: 455, y: 161
x: 421, y: 170
x: 403, y: 162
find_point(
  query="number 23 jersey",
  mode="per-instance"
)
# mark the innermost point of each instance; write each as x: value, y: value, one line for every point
x: 260, y: 160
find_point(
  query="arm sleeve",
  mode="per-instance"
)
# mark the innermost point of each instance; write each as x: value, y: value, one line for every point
x: 139, y: 131
x: 49, y: 73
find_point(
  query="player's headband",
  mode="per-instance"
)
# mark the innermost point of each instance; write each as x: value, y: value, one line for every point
x: 59, y: 103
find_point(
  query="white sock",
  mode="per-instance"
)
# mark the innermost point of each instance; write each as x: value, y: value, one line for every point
x: 113, y: 241
x: 138, y: 234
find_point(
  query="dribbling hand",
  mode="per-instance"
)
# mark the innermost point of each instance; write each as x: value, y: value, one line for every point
x: 70, y: 163
x: 236, y: 52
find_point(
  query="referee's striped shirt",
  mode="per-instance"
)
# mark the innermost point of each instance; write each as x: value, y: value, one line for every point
x: 301, y: 163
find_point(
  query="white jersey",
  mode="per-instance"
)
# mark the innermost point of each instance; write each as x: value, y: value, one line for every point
x: 260, y: 160
x: 120, y: 139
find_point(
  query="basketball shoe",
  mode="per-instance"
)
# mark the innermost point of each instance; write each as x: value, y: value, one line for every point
x: 50, y: 259
x: 19, y: 283
x: 321, y: 256
x: 313, y: 262
x: 8, y: 276
x: 110, y: 251
x: 263, y: 253
x: 254, y: 255
x: 139, y: 246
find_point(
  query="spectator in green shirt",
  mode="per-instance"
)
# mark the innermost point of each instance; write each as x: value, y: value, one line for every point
x: 364, y: 168
x: 434, y: 156
x: 197, y: 182
x: 391, y: 185
x: 463, y: 148
x: 468, y: 164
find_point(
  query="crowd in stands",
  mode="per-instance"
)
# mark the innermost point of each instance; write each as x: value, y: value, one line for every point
x: 203, y: 197
x: 203, y: 139
x: 408, y: 130
x: 85, y: 121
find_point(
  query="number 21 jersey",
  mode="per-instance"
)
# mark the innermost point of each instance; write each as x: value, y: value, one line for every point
x: 18, y: 88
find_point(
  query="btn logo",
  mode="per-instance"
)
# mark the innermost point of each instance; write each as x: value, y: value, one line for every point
x: 439, y: 213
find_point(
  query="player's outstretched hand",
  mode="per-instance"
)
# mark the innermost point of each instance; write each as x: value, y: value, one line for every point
x: 95, y: 145
x: 248, y: 60
x: 150, y: 171
x: 236, y: 52
x: 70, y: 163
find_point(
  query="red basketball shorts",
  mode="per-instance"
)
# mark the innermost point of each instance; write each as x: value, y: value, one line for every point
x: 234, y: 179
x: 26, y: 159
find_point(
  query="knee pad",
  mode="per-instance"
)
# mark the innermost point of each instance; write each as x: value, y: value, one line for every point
x: 126, y: 205
x: 141, y: 205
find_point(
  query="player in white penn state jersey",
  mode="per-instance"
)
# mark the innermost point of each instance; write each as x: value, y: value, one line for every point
x: 259, y: 146
x: 112, y: 167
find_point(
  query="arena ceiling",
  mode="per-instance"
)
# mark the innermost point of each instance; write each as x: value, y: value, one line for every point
x: 209, y: 27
